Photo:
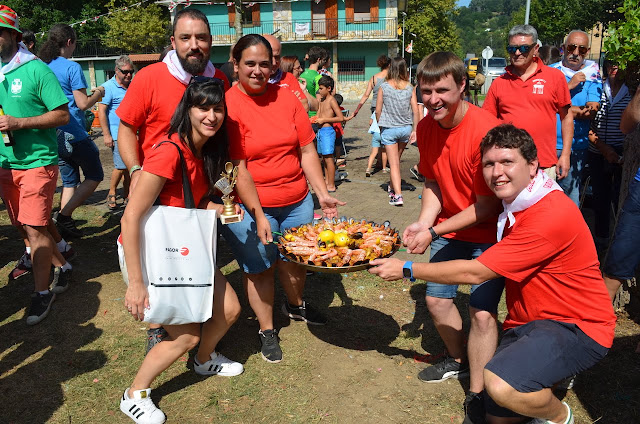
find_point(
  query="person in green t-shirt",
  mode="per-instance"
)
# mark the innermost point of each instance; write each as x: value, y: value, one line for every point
x: 33, y: 104
x: 317, y: 56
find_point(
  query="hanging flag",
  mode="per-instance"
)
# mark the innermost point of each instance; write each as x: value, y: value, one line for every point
x: 409, y: 48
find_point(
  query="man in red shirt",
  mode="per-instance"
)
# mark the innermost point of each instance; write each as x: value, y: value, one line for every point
x: 154, y: 94
x: 455, y: 198
x: 528, y: 95
x: 152, y: 97
x: 560, y: 320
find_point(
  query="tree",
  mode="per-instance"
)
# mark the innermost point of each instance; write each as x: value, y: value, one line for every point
x: 40, y: 15
x: 431, y: 21
x: 555, y: 18
x: 137, y: 28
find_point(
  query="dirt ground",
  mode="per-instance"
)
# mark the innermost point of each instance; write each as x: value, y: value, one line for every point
x: 362, y: 366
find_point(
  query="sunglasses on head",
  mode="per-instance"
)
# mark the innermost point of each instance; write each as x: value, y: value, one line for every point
x: 581, y: 49
x: 126, y: 72
x: 200, y: 79
x: 524, y: 49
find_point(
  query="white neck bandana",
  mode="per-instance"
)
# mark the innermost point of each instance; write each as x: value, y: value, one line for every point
x: 590, y: 69
x: 539, y: 187
x: 175, y: 68
x: 20, y: 58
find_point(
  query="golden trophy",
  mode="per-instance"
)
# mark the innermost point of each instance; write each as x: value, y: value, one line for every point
x: 225, y: 185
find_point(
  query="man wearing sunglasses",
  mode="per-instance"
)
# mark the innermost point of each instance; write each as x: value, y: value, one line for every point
x: 529, y: 95
x: 152, y: 98
x: 585, y: 86
x: 115, y: 90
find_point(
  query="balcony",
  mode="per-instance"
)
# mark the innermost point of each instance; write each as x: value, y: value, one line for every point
x: 97, y: 48
x: 308, y: 30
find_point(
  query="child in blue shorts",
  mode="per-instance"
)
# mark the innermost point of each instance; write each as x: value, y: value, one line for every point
x: 328, y: 113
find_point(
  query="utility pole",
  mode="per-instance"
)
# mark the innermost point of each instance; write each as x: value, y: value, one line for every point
x: 403, y: 16
x: 526, y: 13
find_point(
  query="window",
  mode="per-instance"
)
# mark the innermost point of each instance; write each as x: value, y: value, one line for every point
x: 250, y: 15
x: 351, y: 69
x: 361, y: 11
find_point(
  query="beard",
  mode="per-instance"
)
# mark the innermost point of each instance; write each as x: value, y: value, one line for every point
x: 194, y: 67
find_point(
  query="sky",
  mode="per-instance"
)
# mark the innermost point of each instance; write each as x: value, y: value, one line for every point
x: 463, y: 2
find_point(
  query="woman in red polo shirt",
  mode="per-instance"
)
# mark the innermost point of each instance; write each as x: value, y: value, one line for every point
x: 196, y: 128
x: 271, y: 141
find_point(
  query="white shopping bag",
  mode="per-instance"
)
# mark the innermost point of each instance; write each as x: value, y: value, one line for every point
x: 177, y: 254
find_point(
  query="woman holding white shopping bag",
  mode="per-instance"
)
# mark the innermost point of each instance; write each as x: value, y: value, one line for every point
x: 197, y: 142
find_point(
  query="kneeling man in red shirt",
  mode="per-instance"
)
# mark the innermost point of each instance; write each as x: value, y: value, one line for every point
x: 560, y: 320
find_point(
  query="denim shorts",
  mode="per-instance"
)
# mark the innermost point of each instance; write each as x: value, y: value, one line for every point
x: 395, y: 135
x: 118, y: 163
x: 376, y: 140
x: 326, y: 140
x: 253, y: 256
x: 85, y: 156
x: 485, y: 296
x: 624, y: 255
x: 539, y: 354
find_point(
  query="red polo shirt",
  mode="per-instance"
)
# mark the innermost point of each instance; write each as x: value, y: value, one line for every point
x: 531, y: 105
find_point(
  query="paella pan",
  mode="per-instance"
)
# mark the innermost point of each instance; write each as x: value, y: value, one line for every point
x: 338, y: 245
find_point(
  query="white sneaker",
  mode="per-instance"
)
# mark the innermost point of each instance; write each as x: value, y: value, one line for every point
x: 141, y: 408
x: 218, y: 365
x: 569, y: 420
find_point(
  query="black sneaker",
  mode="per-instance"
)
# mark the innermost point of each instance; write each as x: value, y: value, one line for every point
x: 40, y: 305
x: 155, y: 336
x: 444, y: 370
x: 417, y: 175
x: 304, y: 312
x: 474, y: 409
x: 270, y: 350
x: 61, y: 280
x: 66, y: 225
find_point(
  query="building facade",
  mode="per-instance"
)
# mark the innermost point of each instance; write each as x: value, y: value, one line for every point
x: 354, y: 33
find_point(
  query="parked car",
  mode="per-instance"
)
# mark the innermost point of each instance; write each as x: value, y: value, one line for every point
x: 472, y: 67
x: 496, y: 67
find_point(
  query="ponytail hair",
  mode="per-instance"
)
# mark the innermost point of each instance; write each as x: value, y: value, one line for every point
x: 59, y: 34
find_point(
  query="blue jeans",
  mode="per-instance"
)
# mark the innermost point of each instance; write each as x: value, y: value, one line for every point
x: 485, y: 296
x: 572, y: 183
x: 624, y: 254
x: 253, y: 256
x: 605, y: 182
x: 85, y: 156
x: 395, y: 135
x: 118, y: 163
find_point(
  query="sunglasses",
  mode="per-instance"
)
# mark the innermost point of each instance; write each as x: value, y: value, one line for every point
x: 126, y: 72
x: 524, y: 49
x: 581, y: 49
x: 201, y: 79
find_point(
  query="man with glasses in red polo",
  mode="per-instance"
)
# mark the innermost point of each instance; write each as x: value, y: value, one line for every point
x: 529, y: 95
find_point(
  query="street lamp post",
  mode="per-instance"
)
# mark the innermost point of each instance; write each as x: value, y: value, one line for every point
x: 403, y: 16
x: 402, y: 8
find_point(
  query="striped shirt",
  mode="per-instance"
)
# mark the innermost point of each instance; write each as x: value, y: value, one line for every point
x: 606, y: 124
x: 396, y: 106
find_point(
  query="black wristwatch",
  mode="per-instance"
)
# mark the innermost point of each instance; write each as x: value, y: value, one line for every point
x: 434, y: 235
x: 407, y: 271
